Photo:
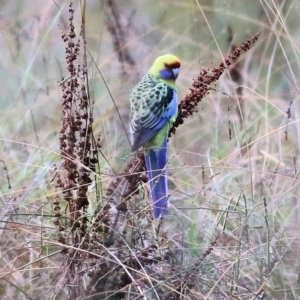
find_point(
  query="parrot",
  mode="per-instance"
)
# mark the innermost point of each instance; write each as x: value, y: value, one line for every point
x: 153, y: 110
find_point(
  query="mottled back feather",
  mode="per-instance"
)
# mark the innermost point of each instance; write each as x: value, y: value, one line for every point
x: 153, y: 104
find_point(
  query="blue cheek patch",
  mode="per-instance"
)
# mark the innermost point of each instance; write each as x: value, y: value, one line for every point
x: 166, y: 74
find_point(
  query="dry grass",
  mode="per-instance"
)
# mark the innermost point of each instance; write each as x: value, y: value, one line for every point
x: 233, y: 229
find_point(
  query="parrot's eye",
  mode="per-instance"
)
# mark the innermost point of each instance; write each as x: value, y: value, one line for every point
x: 166, y: 65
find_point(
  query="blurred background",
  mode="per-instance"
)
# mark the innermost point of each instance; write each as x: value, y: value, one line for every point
x: 234, y: 164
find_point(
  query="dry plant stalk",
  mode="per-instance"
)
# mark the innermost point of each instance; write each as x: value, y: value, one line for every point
x: 79, y: 154
x: 135, y: 263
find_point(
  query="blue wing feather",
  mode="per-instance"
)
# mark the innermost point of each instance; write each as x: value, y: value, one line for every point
x: 147, y: 126
x: 156, y: 173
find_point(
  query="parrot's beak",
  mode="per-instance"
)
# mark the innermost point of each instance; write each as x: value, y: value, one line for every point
x: 175, y: 72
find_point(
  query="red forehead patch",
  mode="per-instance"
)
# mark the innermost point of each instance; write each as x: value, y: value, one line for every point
x: 174, y: 65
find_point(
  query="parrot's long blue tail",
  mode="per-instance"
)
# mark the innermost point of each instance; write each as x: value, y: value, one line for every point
x: 156, y: 161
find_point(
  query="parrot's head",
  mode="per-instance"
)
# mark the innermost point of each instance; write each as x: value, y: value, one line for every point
x: 166, y: 67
